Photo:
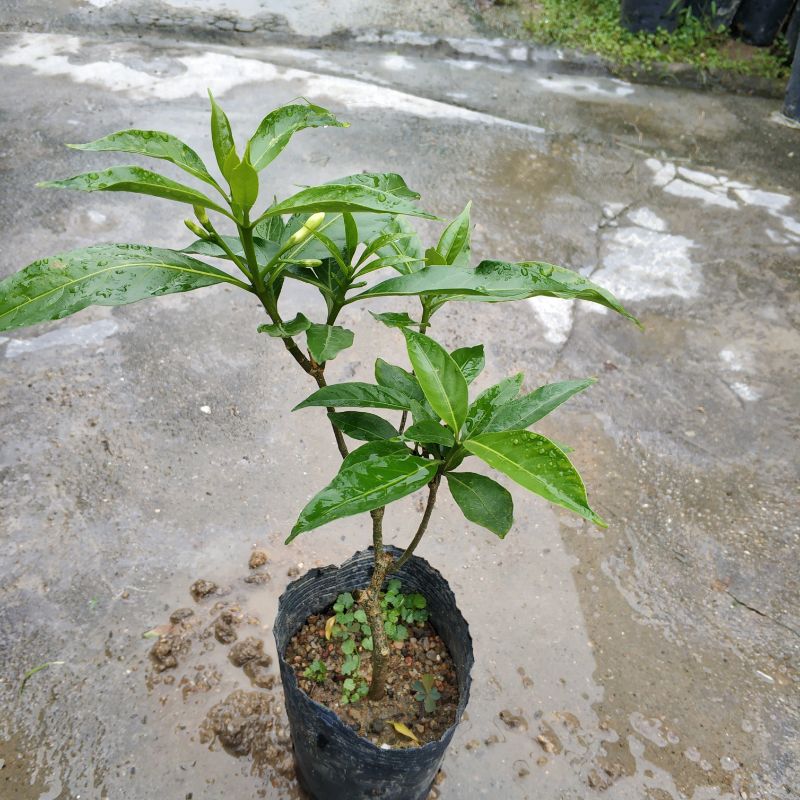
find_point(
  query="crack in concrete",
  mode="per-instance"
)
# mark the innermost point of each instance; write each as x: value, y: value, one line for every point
x: 761, y: 613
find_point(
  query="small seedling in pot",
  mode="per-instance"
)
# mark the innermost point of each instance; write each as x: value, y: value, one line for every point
x: 317, y: 671
x: 427, y: 693
x: 353, y: 690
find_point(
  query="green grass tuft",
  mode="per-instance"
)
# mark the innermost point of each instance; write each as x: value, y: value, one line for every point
x: 594, y: 26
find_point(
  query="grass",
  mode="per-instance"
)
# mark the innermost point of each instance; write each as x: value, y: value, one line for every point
x: 594, y: 26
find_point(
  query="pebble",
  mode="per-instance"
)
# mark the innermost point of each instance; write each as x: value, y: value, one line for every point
x: 258, y: 558
x: 202, y: 588
x: 180, y: 614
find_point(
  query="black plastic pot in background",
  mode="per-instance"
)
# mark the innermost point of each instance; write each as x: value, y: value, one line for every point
x: 649, y: 15
x: 758, y: 21
x: 791, y: 105
x: 793, y: 30
x: 718, y: 13
x: 333, y: 762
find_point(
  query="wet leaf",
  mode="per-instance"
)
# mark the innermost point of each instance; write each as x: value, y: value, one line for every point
x: 325, y: 342
x: 354, y: 395
x: 440, y: 379
x: 364, y: 486
x: 398, y: 380
x: 345, y: 197
x: 393, y: 319
x: 286, y: 329
x: 155, y: 144
x: 373, y: 450
x: 404, y: 730
x: 470, y: 360
x: 537, y: 464
x: 278, y: 127
x: 362, y: 425
x: 486, y: 404
x: 496, y: 281
x: 429, y: 431
x: 483, y: 501
x: 137, y: 180
x: 221, y: 136
x: 104, y: 275
x: 454, y: 244
x: 524, y: 411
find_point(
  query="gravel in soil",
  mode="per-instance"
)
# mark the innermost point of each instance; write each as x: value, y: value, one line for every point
x: 423, y: 653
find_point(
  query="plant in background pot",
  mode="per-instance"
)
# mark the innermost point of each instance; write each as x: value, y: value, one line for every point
x: 380, y: 640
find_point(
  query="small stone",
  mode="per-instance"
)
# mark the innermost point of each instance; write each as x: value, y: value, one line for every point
x: 523, y: 771
x: 515, y: 721
x: 397, y: 645
x: 541, y: 761
x: 377, y: 726
x: 247, y: 650
x: 180, y: 614
x: 125, y: 595
x: 225, y: 628
x: 293, y: 572
x: 223, y: 24
x: 258, y: 578
x: 202, y: 588
x: 472, y: 744
x: 245, y: 26
x: 258, y: 558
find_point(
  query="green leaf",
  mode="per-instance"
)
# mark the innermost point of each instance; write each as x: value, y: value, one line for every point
x: 137, y: 180
x: 487, y: 403
x: 494, y: 282
x: 430, y: 432
x: 348, y: 646
x: 244, y: 183
x: 360, y: 616
x: 325, y: 342
x: 345, y: 197
x: 286, y: 329
x: 364, y: 486
x: 363, y: 426
x: 373, y: 450
x: 470, y: 360
x: 350, y: 232
x: 394, y: 319
x: 524, y: 411
x: 272, y: 229
x: 389, y: 182
x: 355, y: 395
x: 440, y: 379
x: 278, y: 127
x: 397, y: 379
x: 103, y: 275
x: 537, y: 464
x: 350, y: 664
x: 454, y: 244
x: 483, y: 501
x: 221, y: 136
x: 155, y: 144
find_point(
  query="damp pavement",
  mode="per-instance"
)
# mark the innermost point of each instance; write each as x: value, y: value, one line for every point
x: 149, y: 446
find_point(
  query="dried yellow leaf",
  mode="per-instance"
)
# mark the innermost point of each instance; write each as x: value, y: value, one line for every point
x: 404, y: 730
x: 329, y: 627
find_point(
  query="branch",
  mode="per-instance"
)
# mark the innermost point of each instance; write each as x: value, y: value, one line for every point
x: 433, y: 487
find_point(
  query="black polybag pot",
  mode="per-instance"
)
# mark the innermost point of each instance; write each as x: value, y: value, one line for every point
x: 333, y: 762
x: 791, y: 105
x: 758, y: 21
x: 649, y: 15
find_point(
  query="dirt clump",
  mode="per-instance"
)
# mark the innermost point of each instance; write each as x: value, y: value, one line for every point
x: 258, y: 558
x: 202, y: 588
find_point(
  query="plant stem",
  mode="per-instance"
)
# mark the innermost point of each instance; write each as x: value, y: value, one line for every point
x: 372, y: 606
x: 433, y: 488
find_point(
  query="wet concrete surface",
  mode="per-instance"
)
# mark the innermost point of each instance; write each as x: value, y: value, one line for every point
x: 147, y: 446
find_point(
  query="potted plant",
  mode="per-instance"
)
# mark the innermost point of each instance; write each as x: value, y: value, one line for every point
x: 383, y: 631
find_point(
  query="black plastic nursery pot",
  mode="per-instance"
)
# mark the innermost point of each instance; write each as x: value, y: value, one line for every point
x: 333, y: 762
x: 649, y: 15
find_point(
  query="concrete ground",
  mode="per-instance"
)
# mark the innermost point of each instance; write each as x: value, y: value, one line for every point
x: 146, y: 446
